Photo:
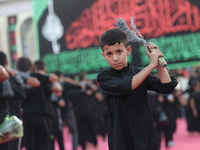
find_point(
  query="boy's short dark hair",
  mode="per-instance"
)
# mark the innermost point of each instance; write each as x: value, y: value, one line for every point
x: 113, y: 36
x: 24, y: 64
x: 39, y: 65
x: 3, y: 58
x: 58, y: 73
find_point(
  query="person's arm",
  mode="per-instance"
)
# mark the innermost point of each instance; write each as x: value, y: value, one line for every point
x: 27, y: 79
x: 163, y: 74
x: 34, y: 82
x: 3, y: 74
x: 53, y: 77
x: 153, y: 56
x: 72, y: 81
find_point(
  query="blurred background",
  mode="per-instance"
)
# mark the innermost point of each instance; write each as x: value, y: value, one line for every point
x: 65, y: 34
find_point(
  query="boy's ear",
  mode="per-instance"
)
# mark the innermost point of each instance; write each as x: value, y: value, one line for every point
x: 129, y: 48
x: 45, y: 69
x: 103, y: 54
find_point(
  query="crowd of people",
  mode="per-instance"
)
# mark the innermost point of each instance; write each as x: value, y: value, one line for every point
x: 47, y: 103
x: 183, y: 102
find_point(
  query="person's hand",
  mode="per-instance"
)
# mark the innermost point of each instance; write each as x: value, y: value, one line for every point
x: 57, y: 88
x: 154, y: 54
x: 61, y: 103
x: 88, y: 92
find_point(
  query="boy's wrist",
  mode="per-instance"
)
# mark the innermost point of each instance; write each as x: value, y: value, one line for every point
x: 160, y: 68
x: 153, y: 65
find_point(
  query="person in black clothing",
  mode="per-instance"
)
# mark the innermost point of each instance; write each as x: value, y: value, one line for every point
x: 35, y: 114
x: 86, y: 120
x: 125, y: 88
x: 168, y: 105
x: 155, y: 101
x: 190, y: 118
x: 58, y: 102
x: 14, y: 103
x: 6, y: 104
x: 100, y: 112
x: 70, y: 88
x: 55, y: 87
x: 4, y: 108
x: 195, y: 103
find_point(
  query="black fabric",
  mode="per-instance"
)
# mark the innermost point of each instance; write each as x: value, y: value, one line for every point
x: 17, y: 88
x: 51, y: 113
x: 4, y: 146
x: 80, y: 100
x: 58, y: 126
x: 196, y: 97
x: 67, y: 89
x: 14, y: 107
x: 3, y: 105
x: 36, y: 133
x: 3, y: 109
x: 191, y: 120
x: 153, y: 100
x: 35, y: 102
x: 168, y: 128
x: 130, y: 120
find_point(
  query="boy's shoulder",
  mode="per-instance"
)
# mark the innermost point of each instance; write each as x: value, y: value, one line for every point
x: 110, y: 71
x: 103, y: 72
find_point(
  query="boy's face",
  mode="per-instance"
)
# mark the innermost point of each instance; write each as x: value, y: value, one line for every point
x: 116, y: 55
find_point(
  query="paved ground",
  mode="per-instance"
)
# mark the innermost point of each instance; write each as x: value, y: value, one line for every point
x: 182, y: 139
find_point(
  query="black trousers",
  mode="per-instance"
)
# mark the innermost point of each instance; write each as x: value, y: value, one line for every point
x: 70, y: 120
x: 3, y: 146
x: 58, y: 126
x: 86, y: 131
x: 36, y: 133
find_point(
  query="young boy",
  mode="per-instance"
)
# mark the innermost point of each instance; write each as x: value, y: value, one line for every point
x: 125, y: 90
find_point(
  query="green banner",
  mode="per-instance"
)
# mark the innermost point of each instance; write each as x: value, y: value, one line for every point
x: 179, y: 49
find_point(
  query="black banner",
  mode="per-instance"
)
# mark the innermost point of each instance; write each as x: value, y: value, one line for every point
x: 69, y: 31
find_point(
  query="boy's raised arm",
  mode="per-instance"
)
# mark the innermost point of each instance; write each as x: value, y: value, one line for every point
x: 153, y: 56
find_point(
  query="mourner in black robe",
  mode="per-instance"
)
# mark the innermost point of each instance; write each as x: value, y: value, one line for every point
x: 130, y: 119
x: 125, y: 90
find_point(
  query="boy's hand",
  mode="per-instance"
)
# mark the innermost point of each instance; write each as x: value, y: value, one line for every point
x: 154, y: 54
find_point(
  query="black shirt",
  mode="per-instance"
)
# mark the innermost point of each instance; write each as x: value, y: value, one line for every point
x: 3, y: 104
x: 79, y: 99
x: 36, y: 102
x: 130, y: 120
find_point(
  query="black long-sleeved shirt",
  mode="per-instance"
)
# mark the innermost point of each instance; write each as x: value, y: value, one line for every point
x: 130, y: 120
